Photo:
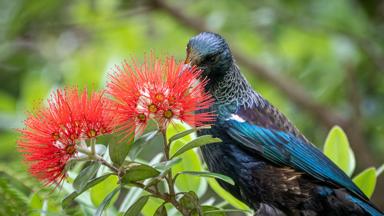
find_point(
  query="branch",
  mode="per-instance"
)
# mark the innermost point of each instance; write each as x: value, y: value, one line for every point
x: 287, y: 86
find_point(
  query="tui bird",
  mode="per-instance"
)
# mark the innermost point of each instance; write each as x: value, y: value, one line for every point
x: 276, y: 170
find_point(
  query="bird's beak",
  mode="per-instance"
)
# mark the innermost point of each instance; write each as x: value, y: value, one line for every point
x: 188, y: 59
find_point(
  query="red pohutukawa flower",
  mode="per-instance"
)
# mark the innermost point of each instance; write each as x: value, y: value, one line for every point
x: 163, y: 91
x: 51, y: 133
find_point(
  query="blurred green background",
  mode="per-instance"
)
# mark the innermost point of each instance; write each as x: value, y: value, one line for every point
x: 320, y: 62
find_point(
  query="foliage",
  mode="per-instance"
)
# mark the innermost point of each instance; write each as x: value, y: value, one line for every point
x: 337, y: 148
x: 143, y: 185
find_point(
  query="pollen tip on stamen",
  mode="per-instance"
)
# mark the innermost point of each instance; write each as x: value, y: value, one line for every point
x: 159, y: 97
x: 168, y: 114
x: 142, y: 117
x: 152, y: 108
x: 55, y: 136
x: 92, y: 133
x: 70, y: 149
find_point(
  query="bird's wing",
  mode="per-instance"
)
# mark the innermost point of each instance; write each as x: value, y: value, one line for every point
x: 279, y: 142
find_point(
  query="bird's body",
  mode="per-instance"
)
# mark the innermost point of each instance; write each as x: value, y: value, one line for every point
x: 276, y: 170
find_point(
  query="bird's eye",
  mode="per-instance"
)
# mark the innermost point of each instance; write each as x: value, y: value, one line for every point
x: 211, y: 58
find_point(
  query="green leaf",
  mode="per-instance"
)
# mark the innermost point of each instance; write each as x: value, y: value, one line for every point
x: 68, y: 199
x: 209, y: 175
x: 98, y: 191
x: 226, y: 195
x: 40, y: 205
x: 223, y: 211
x: 138, y: 145
x: 136, y: 207
x: 366, y: 181
x: 181, y: 135
x: 211, y: 211
x: 119, y: 150
x: 85, y: 175
x: 139, y: 172
x: 190, y: 200
x: 190, y: 161
x: 152, y: 205
x: 106, y: 201
x: 12, y: 201
x: 161, y: 211
x: 166, y: 165
x: 200, y: 141
x: 337, y: 149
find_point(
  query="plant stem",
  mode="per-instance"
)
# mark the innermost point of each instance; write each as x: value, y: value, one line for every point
x: 106, y: 163
x: 166, y: 197
x: 93, y: 148
x: 169, y: 176
x: 93, y: 156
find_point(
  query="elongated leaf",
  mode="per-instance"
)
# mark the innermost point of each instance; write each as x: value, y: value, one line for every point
x: 152, y: 205
x: 223, y: 211
x: 337, y: 149
x: 138, y: 145
x: 181, y: 135
x: 190, y: 200
x: 136, y: 208
x: 38, y: 204
x: 200, y: 141
x: 68, y: 199
x: 98, y: 191
x: 226, y: 195
x: 190, y: 161
x: 106, y: 201
x: 85, y: 175
x: 139, y: 172
x: 209, y: 211
x: 209, y: 175
x: 366, y: 181
x: 118, y: 151
x: 165, y: 165
x: 161, y: 211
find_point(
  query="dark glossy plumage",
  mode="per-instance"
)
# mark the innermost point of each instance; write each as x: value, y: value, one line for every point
x: 277, y: 171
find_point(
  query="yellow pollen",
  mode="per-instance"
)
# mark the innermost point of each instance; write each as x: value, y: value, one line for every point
x: 92, y: 133
x: 159, y: 97
x: 55, y: 135
x: 168, y: 114
x: 152, y: 108
x: 141, y: 117
x: 70, y: 149
x: 73, y: 136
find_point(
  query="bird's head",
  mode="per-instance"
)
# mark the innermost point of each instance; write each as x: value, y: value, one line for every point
x: 210, y: 53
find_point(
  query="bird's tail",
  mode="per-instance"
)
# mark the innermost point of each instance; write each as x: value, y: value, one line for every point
x: 367, y: 206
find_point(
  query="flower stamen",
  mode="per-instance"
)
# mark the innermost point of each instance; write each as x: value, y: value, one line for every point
x: 70, y: 149
x: 152, y: 108
x: 159, y: 97
x: 142, y: 117
x: 92, y: 133
x: 56, y: 136
x: 168, y: 114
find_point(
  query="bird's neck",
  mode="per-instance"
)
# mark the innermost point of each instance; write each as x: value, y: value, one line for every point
x: 234, y: 88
